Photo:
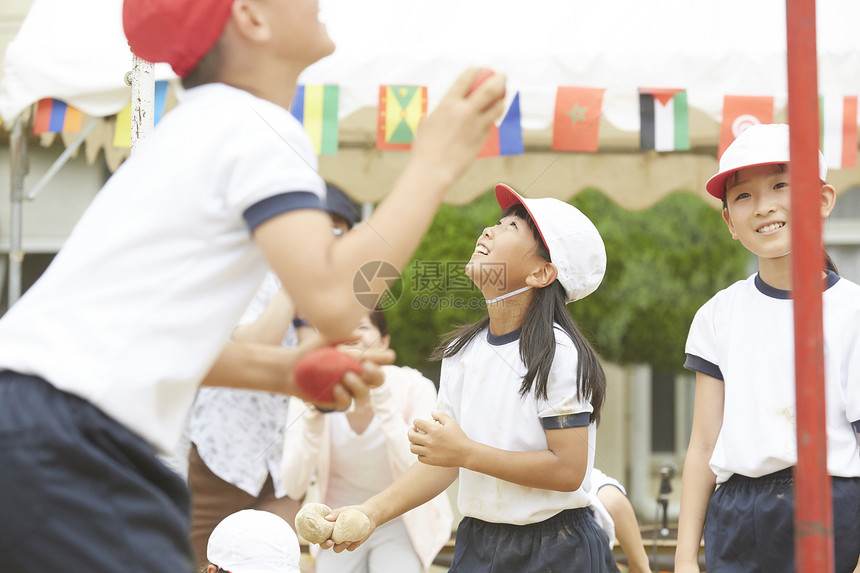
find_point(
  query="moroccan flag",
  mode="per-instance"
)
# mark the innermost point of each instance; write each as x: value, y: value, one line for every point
x: 316, y: 107
x: 740, y: 112
x: 401, y: 109
x: 665, y: 121
x: 577, y: 119
x: 54, y: 116
x: 507, y: 137
x: 839, y: 131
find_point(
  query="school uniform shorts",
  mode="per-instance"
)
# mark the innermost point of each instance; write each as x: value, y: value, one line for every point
x: 80, y: 492
x: 749, y: 526
x: 570, y: 541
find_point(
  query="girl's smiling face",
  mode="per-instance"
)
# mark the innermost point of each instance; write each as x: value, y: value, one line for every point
x: 505, y: 254
x: 758, y: 209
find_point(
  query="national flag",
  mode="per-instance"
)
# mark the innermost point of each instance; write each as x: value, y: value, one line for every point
x: 839, y: 131
x: 55, y: 116
x: 316, y: 106
x: 507, y: 137
x: 664, y: 119
x: 401, y: 109
x: 122, y: 129
x: 740, y: 112
x: 577, y: 119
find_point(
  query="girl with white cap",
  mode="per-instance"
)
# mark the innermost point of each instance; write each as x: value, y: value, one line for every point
x: 520, y: 395
x: 741, y: 347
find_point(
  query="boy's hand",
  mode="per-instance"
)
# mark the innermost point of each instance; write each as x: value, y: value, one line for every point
x: 439, y: 442
x: 349, y: 545
x: 351, y: 384
x: 451, y: 136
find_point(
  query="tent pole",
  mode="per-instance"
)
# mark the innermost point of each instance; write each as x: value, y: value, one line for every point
x: 142, y: 101
x: 813, y: 520
x: 19, y: 168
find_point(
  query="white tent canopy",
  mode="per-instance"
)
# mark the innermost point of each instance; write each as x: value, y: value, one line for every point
x: 75, y: 51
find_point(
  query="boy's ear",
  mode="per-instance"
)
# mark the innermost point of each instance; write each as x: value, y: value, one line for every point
x: 542, y: 276
x: 250, y: 20
x: 728, y: 219
x: 828, y: 200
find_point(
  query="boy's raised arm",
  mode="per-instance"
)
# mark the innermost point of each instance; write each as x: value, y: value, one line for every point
x: 318, y: 272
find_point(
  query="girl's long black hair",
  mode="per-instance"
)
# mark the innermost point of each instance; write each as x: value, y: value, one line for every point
x: 537, y: 339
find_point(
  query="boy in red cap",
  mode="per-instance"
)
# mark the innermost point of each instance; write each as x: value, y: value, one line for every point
x: 100, y: 359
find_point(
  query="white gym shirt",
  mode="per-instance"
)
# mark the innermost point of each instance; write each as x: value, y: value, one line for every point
x: 137, y: 305
x: 744, y: 335
x: 479, y: 388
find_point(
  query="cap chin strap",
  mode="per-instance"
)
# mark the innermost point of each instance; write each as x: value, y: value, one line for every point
x: 510, y: 294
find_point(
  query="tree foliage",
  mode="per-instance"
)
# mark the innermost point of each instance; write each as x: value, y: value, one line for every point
x: 663, y: 264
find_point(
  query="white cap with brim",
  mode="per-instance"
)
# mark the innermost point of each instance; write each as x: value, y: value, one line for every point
x: 574, y: 244
x: 761, y: 144
x: 253, y: 541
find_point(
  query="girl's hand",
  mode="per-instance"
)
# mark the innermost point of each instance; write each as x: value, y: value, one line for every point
x: 439, y: 442
x: 686, y: 568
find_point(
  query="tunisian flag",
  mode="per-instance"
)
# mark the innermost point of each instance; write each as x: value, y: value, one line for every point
x: 740, y: 112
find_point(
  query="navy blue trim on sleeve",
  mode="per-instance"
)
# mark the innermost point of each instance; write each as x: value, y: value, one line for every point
x: 856, y: 426
x: 269, y: 207
x: 698, y: 364
x: 578, y: 420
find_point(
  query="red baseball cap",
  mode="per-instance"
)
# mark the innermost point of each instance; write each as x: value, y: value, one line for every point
x: 178, y: 32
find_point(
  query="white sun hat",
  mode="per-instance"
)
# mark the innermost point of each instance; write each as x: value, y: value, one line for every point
x: 253, y: 541
x: 574, y: 244
x: 761, y: 144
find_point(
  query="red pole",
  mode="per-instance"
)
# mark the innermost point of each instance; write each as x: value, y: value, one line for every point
x: 813, y: 518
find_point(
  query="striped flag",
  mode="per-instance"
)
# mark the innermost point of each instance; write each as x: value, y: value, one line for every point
x: 401, y: 109
x: 577, y: 119
x: 122, y: 129
x: 507, y: 137
x: 316, y: 107
x: 160, y: 99
x: 740, y: 112
x: 665, y: 119
x: 839, y: 131
x: 55, y: 116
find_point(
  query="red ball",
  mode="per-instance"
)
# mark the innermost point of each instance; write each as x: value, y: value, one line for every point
x: 319, y: 371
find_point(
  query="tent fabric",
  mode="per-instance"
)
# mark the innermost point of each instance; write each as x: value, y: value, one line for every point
x: 72, y: 51
x: 76, y: 52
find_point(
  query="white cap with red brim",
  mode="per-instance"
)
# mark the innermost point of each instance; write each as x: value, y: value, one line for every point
x: 574, y: 244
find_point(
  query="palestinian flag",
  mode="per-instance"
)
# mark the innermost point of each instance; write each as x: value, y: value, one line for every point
x: 664, y: 119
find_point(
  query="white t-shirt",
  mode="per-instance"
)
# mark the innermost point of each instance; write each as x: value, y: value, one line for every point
x: 744, y: 336
x: 479, y: 388
x: 137, y: 305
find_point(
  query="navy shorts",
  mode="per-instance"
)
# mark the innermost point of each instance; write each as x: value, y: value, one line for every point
x: 750, y: 525
x: 80, y: 492
x: 566, y: 542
